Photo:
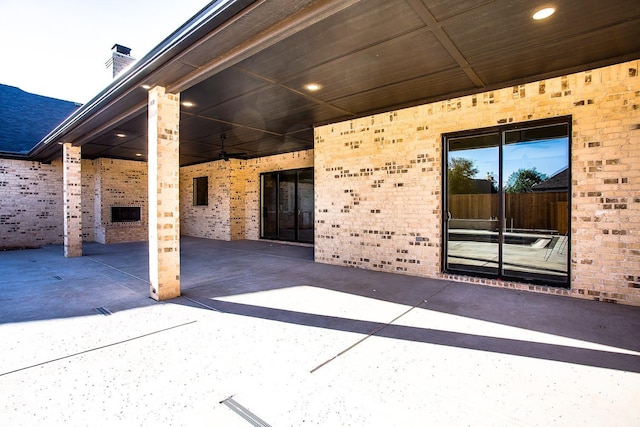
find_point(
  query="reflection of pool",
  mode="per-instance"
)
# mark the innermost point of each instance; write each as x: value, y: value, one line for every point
x: 533, y: 259
x: 510, y: 238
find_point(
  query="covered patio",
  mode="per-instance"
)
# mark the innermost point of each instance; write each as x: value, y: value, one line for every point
x: 356, y: 96
x: 262, y: 335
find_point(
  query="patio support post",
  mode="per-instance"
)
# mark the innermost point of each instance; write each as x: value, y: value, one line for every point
x: 72, y: 193
x: 164, y: 196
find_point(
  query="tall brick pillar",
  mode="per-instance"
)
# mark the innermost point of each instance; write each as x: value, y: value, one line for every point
x: 72, y: 193
x: 164, y: 195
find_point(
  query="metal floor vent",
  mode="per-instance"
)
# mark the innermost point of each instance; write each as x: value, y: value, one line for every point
x: 249, y: 416
x: 104, y: 310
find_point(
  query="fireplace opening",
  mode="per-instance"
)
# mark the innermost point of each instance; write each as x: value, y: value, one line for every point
x: 125, y: 214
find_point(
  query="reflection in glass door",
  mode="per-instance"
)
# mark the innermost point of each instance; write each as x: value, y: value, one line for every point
x: 472, y: 200
x: 287, y: 205
x: 269, y: 205
x: 536, y: 192
x: 305, y: 205
x: 507, y: 202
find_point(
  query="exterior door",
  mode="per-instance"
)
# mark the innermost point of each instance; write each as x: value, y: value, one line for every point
x: 506, y: 210
x: 287, y: 205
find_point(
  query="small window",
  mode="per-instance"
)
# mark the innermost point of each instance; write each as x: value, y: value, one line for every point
x: 201, y: 191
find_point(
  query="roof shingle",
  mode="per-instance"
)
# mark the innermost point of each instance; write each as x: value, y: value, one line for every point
x: 26, y: 118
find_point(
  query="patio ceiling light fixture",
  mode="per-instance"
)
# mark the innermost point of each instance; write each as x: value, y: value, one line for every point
x: 543, y: 13
x: 312, y: 87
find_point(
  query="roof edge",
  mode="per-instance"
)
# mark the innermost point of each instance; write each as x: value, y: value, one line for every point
x: 13, y: 156
x: 214, y: 14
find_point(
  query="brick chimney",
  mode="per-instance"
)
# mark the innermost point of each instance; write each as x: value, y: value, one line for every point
x: 120, y: 59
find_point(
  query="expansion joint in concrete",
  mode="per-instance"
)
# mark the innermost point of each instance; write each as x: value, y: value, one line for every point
x: 96, y: 348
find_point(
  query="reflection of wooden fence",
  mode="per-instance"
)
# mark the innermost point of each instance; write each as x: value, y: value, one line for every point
x: 473, y: 206
x: 562, y: 216
x: 531, y: 211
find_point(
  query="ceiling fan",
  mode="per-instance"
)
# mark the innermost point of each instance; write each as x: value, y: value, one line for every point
x: 223, y: 154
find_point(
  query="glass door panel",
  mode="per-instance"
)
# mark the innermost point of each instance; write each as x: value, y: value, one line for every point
x: 305, y: 205
x: 472, y: 201
x: 507, y: 202
x: 287, y: 206
x: 269, y: 193
x: 536, y: 194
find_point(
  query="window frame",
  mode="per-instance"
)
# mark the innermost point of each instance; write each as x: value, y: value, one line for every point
x: 200, y: 196
x: 278, y: 174
x: 502, y: 130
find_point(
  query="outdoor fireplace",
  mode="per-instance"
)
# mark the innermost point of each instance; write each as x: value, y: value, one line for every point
x: 125, y: 214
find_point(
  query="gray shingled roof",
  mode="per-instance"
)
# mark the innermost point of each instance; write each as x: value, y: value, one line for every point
x: 557, y: 182
x: 26, y: 118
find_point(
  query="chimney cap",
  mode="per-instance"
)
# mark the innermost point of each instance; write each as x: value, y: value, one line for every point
x: 121, y: 49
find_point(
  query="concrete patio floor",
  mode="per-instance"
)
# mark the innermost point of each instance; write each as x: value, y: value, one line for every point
x: 298, y: 343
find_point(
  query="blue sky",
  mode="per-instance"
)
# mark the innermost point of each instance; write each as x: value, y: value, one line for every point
x: 549, y: 157
x: 58, y: 48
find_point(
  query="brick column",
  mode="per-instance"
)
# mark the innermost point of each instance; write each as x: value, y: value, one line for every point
x: 72, y: 193
x: 164, y: 194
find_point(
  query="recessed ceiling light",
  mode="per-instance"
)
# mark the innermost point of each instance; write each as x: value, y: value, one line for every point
x: 147, y: 87
x: 121, y: 135
x: 312, y: 87
x: 188, y: 104
x: 138, y: 154
x: 544, y: 13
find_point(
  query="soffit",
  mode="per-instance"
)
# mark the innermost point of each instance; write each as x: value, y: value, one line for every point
x: 368, y: 56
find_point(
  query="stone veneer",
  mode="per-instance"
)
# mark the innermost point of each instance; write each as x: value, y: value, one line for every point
x: 378, y: 180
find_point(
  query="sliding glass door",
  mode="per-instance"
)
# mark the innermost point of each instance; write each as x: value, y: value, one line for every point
x: 287, y: 205
x: 305, y: 205
x: 473, y: 203
x: 507, y: 202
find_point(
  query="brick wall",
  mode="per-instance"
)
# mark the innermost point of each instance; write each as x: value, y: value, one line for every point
x: 254, y: 167
x: 232, y: 213
x: 211, y: 221
x: 30, y: 203
x: 72, y: 196
x: 237, y: 184
x: 379, y: 180
x: 234, y: 195
x: 88, y: 207
x: 120, y: 183
x: 378, y: 185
